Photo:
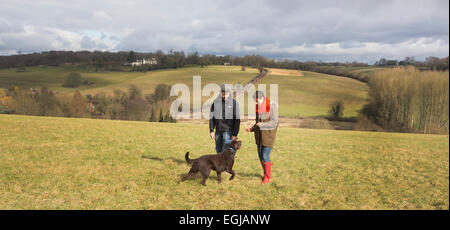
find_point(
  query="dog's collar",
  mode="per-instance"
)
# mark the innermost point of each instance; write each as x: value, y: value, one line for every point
x: 232, y: 150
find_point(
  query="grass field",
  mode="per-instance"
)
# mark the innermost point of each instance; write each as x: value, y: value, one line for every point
x: 53, y: 77
x: 363, y: 72
x: 69, y: 163
x: 311, y: 94
x: 301, y: 94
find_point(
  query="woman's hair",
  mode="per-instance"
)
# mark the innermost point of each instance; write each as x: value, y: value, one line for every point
x: 258, y: 94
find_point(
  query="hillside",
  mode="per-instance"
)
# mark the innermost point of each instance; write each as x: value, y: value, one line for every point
x: 53, y: 77
x: 69, y: 163
x: 311, y: 93
x: 300, y: 95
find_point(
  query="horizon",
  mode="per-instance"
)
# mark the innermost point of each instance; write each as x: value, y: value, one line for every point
x: 222, y: 55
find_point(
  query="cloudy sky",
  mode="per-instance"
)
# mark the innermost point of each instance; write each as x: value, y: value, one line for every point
x: 322, y: 30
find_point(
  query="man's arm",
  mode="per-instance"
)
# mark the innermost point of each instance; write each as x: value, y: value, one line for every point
x: 236, y: 118
x: 212, y: 122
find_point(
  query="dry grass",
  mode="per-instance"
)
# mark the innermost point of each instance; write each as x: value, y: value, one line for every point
x: 285, y: 72
x: 69, y: 163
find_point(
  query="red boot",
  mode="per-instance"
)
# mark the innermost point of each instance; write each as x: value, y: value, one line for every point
x: 269, y: 169
x: 266, y: 172
x: 262, y: 164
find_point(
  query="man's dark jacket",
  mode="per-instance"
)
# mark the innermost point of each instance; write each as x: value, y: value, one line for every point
x: 224, y: 116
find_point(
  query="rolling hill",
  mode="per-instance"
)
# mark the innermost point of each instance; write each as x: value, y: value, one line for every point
x: 301, y: 94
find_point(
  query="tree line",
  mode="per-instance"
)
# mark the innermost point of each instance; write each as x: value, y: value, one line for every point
x: 405, y: 99
x: 430, y: 63
x: 110, y: 61
x: 120, y: 61
x: 128, y: 104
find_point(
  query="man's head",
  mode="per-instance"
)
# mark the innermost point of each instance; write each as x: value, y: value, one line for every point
x: 225, y: 92
x: 258, y: 96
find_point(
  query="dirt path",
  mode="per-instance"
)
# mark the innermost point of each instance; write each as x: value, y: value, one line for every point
x: 239, y: 93
x: 251, y: 82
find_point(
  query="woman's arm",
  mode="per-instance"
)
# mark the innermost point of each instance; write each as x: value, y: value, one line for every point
x: 251, y: 129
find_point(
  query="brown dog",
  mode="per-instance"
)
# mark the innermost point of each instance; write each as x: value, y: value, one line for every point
x: 218, y: 162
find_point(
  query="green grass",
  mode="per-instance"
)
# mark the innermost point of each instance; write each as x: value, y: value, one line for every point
x: 53, y: 77
x: 69, y: 163
x: 311, y: 94
x: 363, y: 72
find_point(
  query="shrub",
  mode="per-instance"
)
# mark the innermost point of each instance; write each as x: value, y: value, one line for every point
x: 152, y: 116
x: 73, y: 80
x: 78, y: 106
x: 161, y: 117
x: 48, y: 103
x: 162, y: 92
x: 24, y: 103
x: 101, y: 103
x: 336, y: 110
x: 365, y: 124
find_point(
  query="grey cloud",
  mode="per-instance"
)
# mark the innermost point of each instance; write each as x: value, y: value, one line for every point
x: 289, y: 28
x: 88, y: 43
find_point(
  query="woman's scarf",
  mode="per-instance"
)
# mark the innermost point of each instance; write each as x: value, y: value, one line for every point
x: 264, y: 107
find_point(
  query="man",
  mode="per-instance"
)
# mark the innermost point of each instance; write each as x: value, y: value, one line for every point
x: 225, y: 119
x: 265, y: 130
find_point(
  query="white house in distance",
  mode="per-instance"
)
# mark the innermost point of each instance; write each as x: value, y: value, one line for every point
x: 145, y: 61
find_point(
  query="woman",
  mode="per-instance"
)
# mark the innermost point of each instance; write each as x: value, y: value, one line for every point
x: 265, y: 130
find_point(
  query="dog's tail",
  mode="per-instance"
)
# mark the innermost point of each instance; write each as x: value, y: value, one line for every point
x: 187, y: 158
